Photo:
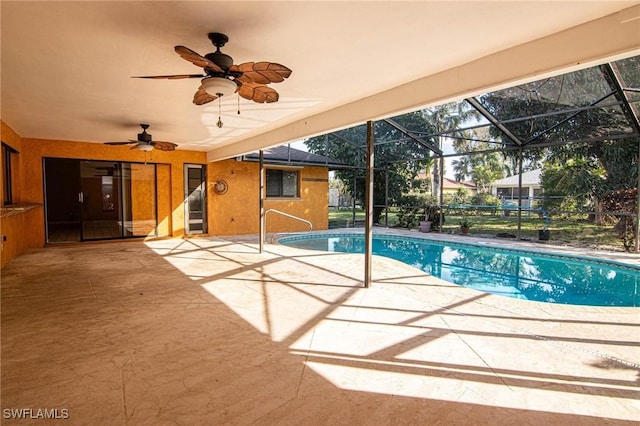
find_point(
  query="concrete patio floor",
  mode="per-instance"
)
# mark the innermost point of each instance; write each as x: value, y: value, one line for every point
x: 208, y: 331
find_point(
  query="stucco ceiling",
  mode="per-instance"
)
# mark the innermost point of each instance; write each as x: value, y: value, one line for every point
x: 67, y: 66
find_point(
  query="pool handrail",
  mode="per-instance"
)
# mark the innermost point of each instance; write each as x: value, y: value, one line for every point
x: 290, y: 216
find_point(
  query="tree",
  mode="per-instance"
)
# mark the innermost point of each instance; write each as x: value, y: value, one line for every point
x: 482, y: 168
x: 572, y: 184
x: 446, y: 117
x: 537, y: 117
x: 396, y: 156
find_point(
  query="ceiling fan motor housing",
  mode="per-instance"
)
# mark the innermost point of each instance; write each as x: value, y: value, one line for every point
x: 222, y: 60
x: 144, y: 136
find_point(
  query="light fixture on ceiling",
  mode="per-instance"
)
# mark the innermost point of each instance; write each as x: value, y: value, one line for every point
x: 219, y: 86
x: 143, y: 146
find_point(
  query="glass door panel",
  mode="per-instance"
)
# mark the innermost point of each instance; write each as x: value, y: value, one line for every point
x: 101, y: 200
x: 62, y: 200
x: 195, y: 216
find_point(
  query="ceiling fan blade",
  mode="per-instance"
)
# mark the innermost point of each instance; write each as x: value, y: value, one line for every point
x: 201, y: 97
x: 171, y: 77
x: 196, y: 59
x: 164, y: 146
x: 120, y: 143
x: 262, y: 72
x: 257, y: 92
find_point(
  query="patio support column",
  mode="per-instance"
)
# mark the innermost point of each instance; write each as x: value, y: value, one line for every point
x: 441, y: 194
x: 638, y: 204
x: 355, y: 191
x: 326, y: 149
x: 262, y: 218
x: 386, y: 196
x: 519, y: 191
x: 368, y: 224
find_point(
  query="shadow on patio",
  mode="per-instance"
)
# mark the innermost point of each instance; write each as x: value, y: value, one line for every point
x: 208, y: 331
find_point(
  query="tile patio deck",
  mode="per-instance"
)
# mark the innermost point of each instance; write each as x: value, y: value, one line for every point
x: 208, y: 331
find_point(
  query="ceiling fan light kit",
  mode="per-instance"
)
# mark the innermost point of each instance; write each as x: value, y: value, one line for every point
x: 219, y: 86
x: 145, y: 147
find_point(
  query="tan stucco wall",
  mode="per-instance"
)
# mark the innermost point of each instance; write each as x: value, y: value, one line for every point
x: 143, y: 193
x: 27, y: 230
x: 237, y: 211
x: 234, y: 213
x: 12, y: 228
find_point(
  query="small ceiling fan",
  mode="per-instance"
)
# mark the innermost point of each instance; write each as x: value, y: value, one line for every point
x: 144, y: 142
x: 223, y: 78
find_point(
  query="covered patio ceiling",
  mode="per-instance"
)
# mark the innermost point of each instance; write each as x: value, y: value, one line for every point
x: 67, y: 66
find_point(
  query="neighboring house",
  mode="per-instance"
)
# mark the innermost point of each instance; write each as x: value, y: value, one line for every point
x: 507, y: 188
x: 66, y: 191
x: 451, y: 187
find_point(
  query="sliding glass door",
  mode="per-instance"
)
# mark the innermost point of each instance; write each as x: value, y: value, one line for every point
x: 102, y: 199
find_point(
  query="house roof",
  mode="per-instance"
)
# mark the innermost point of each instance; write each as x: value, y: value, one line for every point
x: 67, y: 66
x: 454, y: 184
x: 530, y: 178
x: 451, y: 183
x: 286, y: 154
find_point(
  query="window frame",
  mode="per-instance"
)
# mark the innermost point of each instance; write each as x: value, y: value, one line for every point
x: 7, y: 174
x: 281, y: 183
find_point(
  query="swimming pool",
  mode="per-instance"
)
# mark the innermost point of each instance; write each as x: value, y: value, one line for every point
x: 507, y: 272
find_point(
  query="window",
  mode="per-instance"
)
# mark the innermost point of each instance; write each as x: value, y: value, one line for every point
x: 7, y: 178
x: 282, y: 183
x: 505, y: 193
x: 512, y: 193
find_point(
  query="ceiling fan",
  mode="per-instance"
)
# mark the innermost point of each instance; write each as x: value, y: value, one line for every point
x: 144, y: 142
x: 223, y: 78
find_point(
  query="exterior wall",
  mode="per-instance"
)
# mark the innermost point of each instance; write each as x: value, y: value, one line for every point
x: 143, y: 192
x: 236, y: 212
x: 27, y: 230
x: 13, y: 238
x: 165, y: 218
x: 34, y: 150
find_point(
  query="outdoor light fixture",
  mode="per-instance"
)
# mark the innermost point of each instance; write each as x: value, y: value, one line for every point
x: 219, y: 86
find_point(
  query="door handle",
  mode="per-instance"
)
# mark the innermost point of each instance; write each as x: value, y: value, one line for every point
x: 81, y: 197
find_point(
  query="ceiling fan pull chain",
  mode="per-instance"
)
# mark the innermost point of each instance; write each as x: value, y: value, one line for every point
x: 238, y: 104
x: 219, y: 124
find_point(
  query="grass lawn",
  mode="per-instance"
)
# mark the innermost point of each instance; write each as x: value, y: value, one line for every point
x: 573, y: 231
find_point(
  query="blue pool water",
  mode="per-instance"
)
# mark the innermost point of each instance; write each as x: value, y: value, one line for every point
x: 506, y: 272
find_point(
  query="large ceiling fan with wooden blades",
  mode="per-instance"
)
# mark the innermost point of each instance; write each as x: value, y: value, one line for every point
x: 223, y: 78
x: 145, y: 142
